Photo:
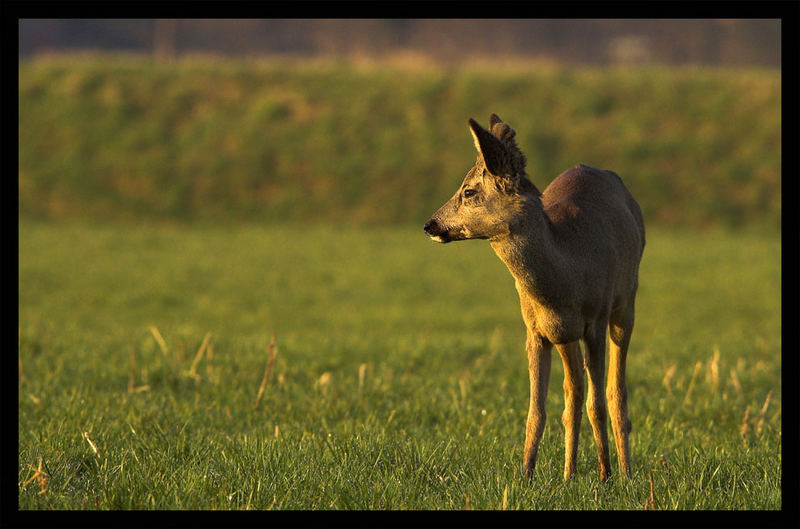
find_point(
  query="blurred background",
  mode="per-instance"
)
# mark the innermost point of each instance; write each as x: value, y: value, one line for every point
x: 364, y: 121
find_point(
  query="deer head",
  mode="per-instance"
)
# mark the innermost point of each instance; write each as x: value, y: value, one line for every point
x: 493, y: 196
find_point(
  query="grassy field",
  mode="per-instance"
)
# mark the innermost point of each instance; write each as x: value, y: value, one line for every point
x: 112, y: 137
x: 398, y: 379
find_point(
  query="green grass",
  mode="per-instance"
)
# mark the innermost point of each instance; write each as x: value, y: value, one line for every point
x: 123, y: 138
x: 436, y: 418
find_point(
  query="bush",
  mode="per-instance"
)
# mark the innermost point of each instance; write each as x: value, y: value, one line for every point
x: 106, y: 137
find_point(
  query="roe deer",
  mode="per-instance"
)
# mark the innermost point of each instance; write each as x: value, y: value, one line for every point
x: 574, y: 251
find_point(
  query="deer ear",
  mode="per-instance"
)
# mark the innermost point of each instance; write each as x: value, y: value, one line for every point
x: 490, y: 148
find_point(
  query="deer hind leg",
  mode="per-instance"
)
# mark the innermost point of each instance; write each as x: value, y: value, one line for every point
x: 539, y: 369
x: 573, y: 402
x: 620, y: 329
x: 596, y: 399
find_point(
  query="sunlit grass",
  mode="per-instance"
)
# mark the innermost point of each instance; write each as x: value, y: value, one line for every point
x: 396, y: 380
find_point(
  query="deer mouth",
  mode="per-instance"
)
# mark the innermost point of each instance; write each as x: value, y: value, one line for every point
x: 435, y: 232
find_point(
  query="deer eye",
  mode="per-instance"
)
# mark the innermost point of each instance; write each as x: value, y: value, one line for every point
x: 469, y: 192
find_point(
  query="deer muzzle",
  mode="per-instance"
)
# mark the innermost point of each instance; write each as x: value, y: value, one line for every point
x: 435, y: 231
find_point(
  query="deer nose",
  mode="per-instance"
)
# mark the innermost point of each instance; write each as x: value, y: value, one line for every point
x: 430, y: 227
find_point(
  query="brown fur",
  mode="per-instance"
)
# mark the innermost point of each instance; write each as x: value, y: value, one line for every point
x: 574, y: 251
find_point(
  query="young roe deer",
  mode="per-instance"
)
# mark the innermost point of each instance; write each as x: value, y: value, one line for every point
x: 574, y: 251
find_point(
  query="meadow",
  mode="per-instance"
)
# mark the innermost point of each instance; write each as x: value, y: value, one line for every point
x: 149, y: 378
x: 226, y: 300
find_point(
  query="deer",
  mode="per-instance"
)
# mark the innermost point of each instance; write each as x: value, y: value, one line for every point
x: 574, y: 252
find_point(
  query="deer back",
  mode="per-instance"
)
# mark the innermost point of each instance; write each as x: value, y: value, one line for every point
x: 599, y: 228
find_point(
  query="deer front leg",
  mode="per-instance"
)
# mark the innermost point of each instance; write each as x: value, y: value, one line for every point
x: 596, y: 400
x: 539, y: 370
x: 573, y: 402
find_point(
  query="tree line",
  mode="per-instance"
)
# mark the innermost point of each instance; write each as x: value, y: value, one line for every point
x: 725, y: 42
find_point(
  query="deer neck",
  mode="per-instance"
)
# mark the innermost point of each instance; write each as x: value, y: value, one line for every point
x: 530, y: 252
